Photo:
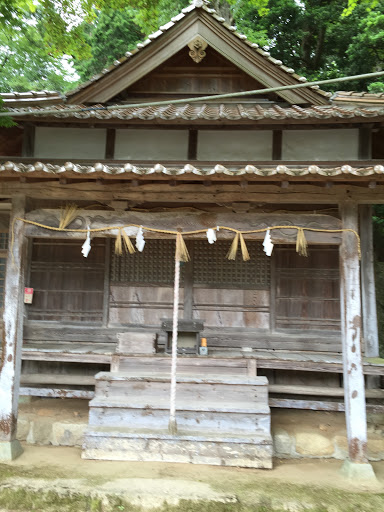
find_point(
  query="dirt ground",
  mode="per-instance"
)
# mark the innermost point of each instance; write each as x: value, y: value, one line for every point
x: 292, y: 485
x: 55, y: 478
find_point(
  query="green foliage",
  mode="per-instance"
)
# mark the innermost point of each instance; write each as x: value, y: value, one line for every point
x: 24, y: 62
x: 314, y: 38
x: 5, y: 122
x: 111, y: 35
x: 376, y: 87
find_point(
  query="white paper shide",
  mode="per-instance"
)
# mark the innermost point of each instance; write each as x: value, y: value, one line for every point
x: 86, y: 247
x: 268, y: 244
x: 211, y: 235
x: 140, y: 242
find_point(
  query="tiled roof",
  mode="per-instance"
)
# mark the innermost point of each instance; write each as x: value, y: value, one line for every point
x: 358, y: 98
x: 211, y: 111
x: 203, y: 170
x: 197, y: 4
x: 30, y: 98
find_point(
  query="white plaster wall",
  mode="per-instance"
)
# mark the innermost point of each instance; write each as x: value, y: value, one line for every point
x: 151, y: 144
x: 215, y: 145
x: 70, y: 143
x: 337, y: 144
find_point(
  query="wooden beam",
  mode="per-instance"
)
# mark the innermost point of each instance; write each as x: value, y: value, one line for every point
x: 57, y: 393
x: 189, y: 222
x: 354, y: 397
x: 318, y: 391
x: 10, y: 366
x: 318, y: 405
x: 191, y: 193
x: 370, y: 333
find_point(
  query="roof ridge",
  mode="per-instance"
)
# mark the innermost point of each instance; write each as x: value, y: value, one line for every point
x: 204, y: 5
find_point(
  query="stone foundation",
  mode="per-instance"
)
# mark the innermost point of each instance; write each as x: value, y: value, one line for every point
x: 296, y: 434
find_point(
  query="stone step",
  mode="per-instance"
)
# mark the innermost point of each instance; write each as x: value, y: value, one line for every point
x: 155, y: 446
x: 194, y: 415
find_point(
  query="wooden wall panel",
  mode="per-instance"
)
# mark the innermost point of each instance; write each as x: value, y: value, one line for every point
x: 141, y: 305
x: 182, y: 76
x: 67, y: 286
x: 11, y: 141
x: 232, y: 308
x: 307, y: 289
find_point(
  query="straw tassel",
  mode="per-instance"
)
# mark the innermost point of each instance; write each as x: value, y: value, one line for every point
x: 244, y: 250
x: 182, y: 253
x: 231, y: 255
x: 301, y: 243
x: 68, y: 214
x: 128, y: 245
x: 118, y: 243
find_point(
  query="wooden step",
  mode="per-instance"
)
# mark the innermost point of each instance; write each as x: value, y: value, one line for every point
x: 150, y: 387
x: 226, y: 418
x: 191, y: 364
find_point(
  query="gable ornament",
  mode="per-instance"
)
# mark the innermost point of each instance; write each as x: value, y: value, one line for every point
x: 197, y: 47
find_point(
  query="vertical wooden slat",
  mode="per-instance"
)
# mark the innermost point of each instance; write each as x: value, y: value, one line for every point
x: 370, y: 333
x: 28, y: 148
x: 12, y: 335
x: 106, y: 281
x: 365, y: 143
x: 272, y: 303
x: 354, y: 390
x: 188, y: 285
x: 192, y: 145
x: 277, y: 140
x: 110, y: 144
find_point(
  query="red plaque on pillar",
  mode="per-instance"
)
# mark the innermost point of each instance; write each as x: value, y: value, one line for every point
x: 28, y: 295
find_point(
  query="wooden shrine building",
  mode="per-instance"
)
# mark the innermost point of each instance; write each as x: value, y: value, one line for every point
x: 140, y: 160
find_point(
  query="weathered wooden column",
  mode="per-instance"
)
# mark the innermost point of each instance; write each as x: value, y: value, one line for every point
x: 10, y: 447
x: 370, y: 333
x: 354, y: 389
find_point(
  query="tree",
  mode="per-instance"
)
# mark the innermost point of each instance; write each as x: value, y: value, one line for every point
x: 62, y: 19
x: 24, y: 63
x: 111, y: 35
x: 315, y: 38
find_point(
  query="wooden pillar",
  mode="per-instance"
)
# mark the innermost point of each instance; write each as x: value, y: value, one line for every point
x: 370, y: 334
x: 354, y: 389
x: 10, y: 366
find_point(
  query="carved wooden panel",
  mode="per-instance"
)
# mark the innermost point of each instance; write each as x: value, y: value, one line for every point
x: 67, y: 286
x: 307, y: 289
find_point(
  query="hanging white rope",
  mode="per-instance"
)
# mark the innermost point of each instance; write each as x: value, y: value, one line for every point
x: 172, y: 410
